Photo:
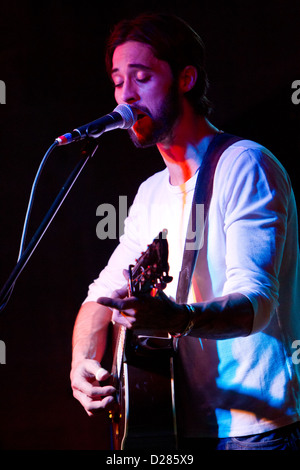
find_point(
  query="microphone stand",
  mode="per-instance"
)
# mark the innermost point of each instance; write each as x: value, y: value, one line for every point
x: 87, y: 153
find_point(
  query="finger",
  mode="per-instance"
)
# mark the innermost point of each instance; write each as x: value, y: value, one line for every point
x: 123, y: 319
x: 120, y: 304
x: 84, y: 379
x: 89, y: 368
x: 120, y: 293
x: 91, y: 406
x: 110, y: 302
x: 102, y: 374
x: 126, y: 274
x: 92, y: 390
x: 101, y: 392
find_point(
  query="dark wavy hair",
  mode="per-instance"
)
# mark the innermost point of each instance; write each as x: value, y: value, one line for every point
x: 173, y: 41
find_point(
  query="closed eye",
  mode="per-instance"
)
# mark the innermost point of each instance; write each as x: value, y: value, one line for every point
x: 138, y: 80
x: 142, y: 75
x: 143, y: 80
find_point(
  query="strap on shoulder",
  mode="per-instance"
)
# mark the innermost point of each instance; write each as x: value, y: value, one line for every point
x: 202, y: 195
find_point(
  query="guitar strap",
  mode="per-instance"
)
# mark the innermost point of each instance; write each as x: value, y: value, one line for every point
x: 201, y: 201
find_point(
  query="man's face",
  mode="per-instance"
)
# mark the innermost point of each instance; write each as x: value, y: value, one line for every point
x: 146, y: 83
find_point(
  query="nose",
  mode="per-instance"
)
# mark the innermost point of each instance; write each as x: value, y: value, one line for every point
x: 129, y: 93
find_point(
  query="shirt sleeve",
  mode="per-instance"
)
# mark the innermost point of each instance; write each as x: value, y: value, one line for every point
x: 255, y: 204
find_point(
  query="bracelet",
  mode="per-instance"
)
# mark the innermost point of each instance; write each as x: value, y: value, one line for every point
x: 190, y: 324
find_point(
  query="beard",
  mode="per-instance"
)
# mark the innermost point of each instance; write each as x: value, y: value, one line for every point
x: 150, y: 130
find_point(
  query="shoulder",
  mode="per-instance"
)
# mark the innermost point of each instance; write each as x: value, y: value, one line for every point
x: 248, y: 150
x: 247, y: 158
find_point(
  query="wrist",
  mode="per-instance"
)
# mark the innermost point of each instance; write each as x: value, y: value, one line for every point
x: 189, y: 324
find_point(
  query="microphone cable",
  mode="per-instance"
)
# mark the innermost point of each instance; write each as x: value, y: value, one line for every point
x: 27, y: 217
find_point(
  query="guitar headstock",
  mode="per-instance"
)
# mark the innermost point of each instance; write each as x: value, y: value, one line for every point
x: 151, y: 270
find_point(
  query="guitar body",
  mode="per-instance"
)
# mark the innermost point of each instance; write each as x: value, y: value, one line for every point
x: 143, y: 415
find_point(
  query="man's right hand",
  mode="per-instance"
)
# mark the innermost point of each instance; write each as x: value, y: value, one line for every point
x: 85, y: 377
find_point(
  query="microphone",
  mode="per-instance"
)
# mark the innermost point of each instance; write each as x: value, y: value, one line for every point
x: 122, y: 117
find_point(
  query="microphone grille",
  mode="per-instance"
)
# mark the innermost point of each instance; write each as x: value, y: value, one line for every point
x: 128, y: 114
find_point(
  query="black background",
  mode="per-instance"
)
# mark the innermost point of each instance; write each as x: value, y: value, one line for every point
x: 51, y: 61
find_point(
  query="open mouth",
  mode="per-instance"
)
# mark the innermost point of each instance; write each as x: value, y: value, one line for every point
x: 141, y: 114
x: 143, y: 124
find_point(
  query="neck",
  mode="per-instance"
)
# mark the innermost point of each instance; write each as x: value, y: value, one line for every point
x: 184, y: 152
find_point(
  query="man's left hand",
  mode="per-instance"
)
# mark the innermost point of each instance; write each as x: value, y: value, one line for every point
x: 146, y: 312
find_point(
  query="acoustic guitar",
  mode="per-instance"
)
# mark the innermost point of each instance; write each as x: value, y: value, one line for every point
x: 143, y: 414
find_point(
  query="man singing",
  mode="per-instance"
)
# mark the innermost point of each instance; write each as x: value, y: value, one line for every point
x: 237, y: 385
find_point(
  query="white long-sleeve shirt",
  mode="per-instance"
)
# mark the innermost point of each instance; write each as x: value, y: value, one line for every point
x: 243, y: 385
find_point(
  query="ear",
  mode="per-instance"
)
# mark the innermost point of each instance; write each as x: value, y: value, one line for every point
x: 188, y: 78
